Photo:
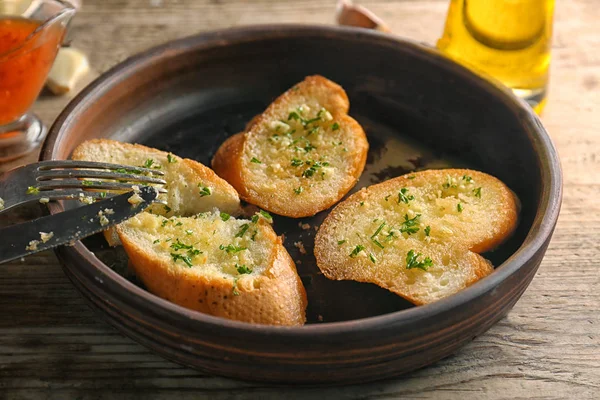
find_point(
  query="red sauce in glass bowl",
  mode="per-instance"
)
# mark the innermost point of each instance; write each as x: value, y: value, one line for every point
x: 25, y: 61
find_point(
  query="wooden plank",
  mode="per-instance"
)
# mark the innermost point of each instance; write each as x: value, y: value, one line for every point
x: 53, y: 346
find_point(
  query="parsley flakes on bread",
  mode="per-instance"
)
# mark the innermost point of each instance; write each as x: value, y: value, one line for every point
x: 300, y: 156
x: 418, y: 235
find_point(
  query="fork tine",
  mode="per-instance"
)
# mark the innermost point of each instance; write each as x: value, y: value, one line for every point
x: 75, y: 183
x: 74, y: 194
x: 45, y: 175
x: 70, y: 194
x: 53, y: 164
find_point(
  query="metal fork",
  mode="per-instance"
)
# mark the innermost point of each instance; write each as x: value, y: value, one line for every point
x: 67, y: 179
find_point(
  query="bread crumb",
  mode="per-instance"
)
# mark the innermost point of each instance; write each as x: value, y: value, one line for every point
x: 135, y: 199
x: 46, y: 236
x: 300, y: 247
x: 279, y: 126
x: 85, y: 199
x: 109, y: 211
x: 102, y: 218
x: 320, y: 318
x: 304, y: 226
x: 316, y: 227
x: 298, y: 262
x: 33, y: 245
x: 304, y: 109
x: 1, y: 203
x: 44, y: 200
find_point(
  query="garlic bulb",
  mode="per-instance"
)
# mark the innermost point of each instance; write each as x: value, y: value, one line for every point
x: 69, y: 67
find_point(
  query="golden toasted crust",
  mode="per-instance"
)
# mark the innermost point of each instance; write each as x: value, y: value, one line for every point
x: 228, y: 162
x: 267, y: 163
x: 447, y: 216
x: 275, y: 297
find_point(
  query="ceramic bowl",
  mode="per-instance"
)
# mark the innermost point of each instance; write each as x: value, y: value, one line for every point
x: 419, y: 109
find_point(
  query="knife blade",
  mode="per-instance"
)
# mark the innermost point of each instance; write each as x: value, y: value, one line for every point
x: 69, y: 226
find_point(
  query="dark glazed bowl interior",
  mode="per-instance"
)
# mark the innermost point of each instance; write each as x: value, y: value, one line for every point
x: 189, y: 95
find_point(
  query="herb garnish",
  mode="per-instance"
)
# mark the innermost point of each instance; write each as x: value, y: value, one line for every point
x: 183, y: 258
x: 402, y: 197
x: 266, y: 216
x: 467, y: 178
x: 298, y: 190
x: 427, y: 230
x: 182, y: 246
x: 224, y: 216
x: 313, y: 130
x: 171, y: 159
x: 372, y: 258
x: 410, y: 226
x: 309, y: 147
x: 156, y: 241
x: 128, y: 171
x: 477, y: 192
x: 357, y: 250
x: 341, y: 242
x: 255, y: 160
x: 448, y: 184
x: 167, y: 208
x: 296, y: 162
x: 374, y: 236
x: 230, y: 248
x: 33, y: 190
x: 148, y: 163
x: 459, y: 207
x: 335, y: 126
x: 234, y: 290
x: 243, y: 229
x: 313, y: 168
x: 242, y: 269
x: 204, y: 190
x: 413, y: 262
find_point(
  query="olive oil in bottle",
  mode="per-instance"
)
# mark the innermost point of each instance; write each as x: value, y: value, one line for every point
x: 507, y: 39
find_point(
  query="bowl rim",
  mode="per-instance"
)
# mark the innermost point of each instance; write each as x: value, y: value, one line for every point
x: 537, y: 237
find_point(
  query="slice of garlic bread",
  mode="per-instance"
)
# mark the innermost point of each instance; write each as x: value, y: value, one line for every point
x: 418, y: 235
x: 299, y: 157
x: 216, y: 264
x: 192, y: 187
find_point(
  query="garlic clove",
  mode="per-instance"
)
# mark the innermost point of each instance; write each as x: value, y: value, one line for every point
x: 70, y: 66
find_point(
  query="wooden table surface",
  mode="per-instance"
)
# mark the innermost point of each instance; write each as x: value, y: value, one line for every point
x: 53, y: 346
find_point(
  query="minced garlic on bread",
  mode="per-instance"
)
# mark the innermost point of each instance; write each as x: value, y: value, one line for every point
x: 418, y: 235
x: 299, y: 157
x: 217, y: 264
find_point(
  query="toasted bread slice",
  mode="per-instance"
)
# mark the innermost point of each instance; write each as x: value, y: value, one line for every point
x: 192, y: 187
x: 299, y: 157
x: 418, y: 235
x: 216, y: 264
